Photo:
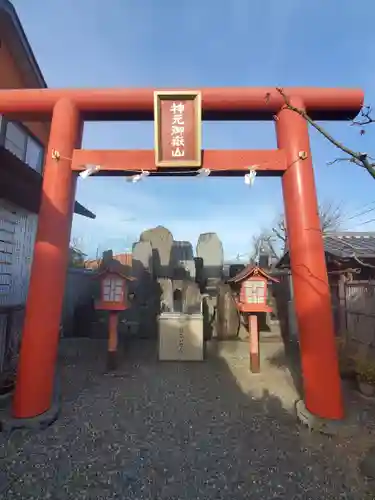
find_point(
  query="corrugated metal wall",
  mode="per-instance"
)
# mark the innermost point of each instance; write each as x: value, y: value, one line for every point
x: 17, y: 237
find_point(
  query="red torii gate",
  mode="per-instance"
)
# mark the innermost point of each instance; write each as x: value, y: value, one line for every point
x: 70, y: 107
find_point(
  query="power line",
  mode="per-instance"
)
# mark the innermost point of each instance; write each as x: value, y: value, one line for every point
x: 369, y: 204
x: 365, y: 222
x: 364, y: 212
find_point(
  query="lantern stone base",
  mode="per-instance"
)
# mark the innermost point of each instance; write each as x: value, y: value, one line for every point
x: 324, y: 426
x: 254, y: 362
x: 112, y: 360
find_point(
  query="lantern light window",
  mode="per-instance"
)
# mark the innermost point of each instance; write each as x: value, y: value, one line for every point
x: 112, y: 289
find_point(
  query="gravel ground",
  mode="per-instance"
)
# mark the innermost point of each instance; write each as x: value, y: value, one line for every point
x: 177, y: 431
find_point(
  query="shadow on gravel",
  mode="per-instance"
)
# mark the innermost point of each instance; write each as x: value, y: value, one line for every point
x: 183, y: 431
x: 290, y: 358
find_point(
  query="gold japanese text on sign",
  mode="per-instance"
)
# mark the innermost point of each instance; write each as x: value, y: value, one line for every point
x: 178, y: 128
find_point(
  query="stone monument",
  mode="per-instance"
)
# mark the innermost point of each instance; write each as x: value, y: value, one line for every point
x: 161, y: 241
x: 183, y: 260
x: 210, y: 250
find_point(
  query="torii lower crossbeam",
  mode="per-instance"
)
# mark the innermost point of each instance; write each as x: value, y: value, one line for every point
x: 220, y: 162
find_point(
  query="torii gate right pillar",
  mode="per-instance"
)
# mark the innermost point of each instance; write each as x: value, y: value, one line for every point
x: 322, y: 384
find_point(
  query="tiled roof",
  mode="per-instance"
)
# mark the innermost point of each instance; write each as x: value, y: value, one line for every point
x: 249, y: 271
x: 344, y: 245
x: 124, y: 258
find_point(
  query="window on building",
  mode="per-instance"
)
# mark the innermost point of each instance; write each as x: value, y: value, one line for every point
x: 22, y: 145
x: 34, y: 155
x: 16, y: 140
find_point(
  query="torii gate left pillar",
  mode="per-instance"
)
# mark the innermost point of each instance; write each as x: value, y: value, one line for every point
x: 36, y: 368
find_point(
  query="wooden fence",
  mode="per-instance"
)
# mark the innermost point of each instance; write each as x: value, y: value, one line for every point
x: 354, y: 314
x: 11, y: 321
x: 282, y: 304
x: 353, y: 306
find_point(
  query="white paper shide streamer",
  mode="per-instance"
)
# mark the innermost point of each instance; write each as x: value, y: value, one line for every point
x: 250, y: 178
x: 203, y: 172
x: 90, y: 169
x: 138, y: 177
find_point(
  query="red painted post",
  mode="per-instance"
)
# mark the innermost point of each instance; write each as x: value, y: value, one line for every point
x: 322, y: 384
x: 112, y: 340
x: 36, y: 369
x: 254, y: 343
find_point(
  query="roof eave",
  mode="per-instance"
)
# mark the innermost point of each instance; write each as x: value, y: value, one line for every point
x: 81, y: 210
x: 13, y: 33
x: 284, y: 261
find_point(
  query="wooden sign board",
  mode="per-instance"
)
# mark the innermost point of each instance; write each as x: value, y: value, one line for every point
x: 178, y: 128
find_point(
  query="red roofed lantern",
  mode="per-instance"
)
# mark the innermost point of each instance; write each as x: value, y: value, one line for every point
x: 113, y: 288
x: 250, y: 290
x: 114, y: 299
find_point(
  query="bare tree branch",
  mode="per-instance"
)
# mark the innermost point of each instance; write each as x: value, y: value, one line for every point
x: 350, y: 160
x: 360, y: 159
x: 366, y: 117
x: 259, y: 242
x: 365, y: 264
x: 331, y: 216
x: 280, y: 235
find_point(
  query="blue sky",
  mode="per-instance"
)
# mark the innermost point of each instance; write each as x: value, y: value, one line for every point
x: 205, y: 43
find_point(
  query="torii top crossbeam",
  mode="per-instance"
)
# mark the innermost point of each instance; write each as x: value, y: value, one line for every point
x: 236, y: 103
x: 233, y: 103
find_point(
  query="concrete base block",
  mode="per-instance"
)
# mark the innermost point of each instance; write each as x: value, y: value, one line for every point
x: 367, y: 465
x: 39, y: 422
x: 322, y: 425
